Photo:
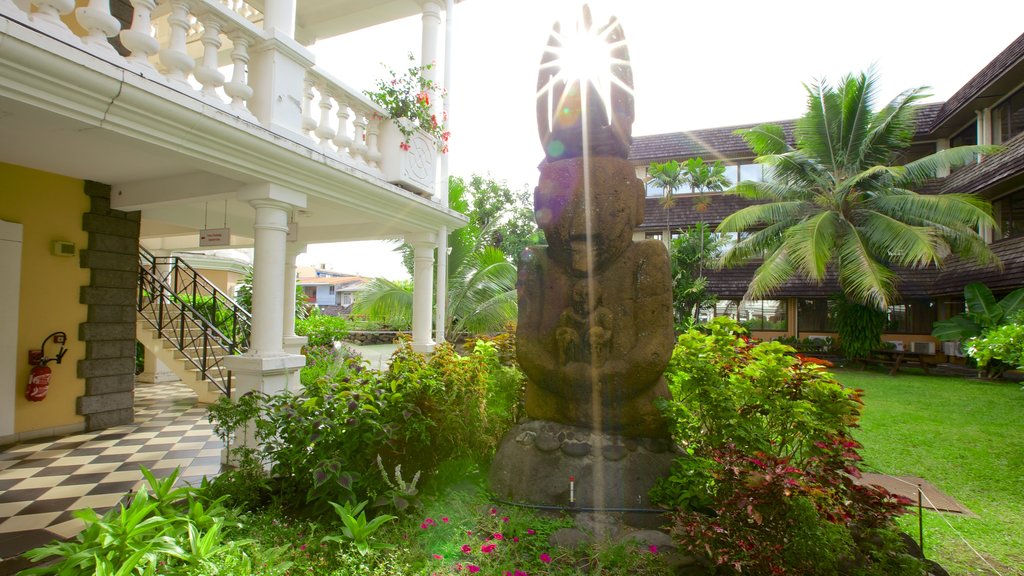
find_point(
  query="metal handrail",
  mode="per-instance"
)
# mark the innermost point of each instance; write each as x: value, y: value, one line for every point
x: 178, y: 321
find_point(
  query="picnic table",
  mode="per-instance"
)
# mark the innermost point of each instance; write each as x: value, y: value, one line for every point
x: 896, y: 358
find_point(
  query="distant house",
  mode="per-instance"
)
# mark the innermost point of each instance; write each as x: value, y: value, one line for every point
x: 989, y: 109
x: 334, y: 292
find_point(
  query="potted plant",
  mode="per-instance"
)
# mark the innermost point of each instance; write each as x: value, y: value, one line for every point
x: 414, y: 130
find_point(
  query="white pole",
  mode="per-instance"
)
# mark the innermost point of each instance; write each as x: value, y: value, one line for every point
x: 442, y: 234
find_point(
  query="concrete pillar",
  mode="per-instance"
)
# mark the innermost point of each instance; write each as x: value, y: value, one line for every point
x: 422, y: 290
x: 267, y: 367
x: 431, y: 27
x: 280, y: 14
x: 292, y: 344
x: 277, y: 74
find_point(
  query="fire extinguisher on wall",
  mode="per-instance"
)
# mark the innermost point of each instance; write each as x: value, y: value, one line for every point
x: 39, y: 378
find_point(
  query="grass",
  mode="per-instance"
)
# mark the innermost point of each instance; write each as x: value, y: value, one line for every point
x: 964, y: 436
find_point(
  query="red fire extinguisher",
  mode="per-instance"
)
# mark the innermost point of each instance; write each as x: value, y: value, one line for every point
x: 39, y: 378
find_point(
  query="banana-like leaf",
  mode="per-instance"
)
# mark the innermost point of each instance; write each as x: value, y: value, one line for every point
x: 981, y: 304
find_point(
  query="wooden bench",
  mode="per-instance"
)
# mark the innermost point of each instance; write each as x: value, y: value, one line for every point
x: 896, y: 358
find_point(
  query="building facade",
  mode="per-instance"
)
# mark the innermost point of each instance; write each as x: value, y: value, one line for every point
x: 186, y: 125
x: 987, y: 110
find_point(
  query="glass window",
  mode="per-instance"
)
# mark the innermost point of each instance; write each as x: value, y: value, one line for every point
x: 966, y: 137
x: 731, y: 174
x: 813, y: 315
x: 1010, y: 214
x: 653, y: 236
x: 763, y: 314
x: 726, y: 308
x: 655, y: 190
x: 911, y: 317
x: 751, y: 172
x: 1008, y: 118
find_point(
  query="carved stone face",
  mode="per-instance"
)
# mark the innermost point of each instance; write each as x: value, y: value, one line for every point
x: 560, y: 204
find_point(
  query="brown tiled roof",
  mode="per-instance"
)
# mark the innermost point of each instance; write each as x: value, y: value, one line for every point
x: 995, y: 174
x: 709, y: 143
x: 976, y: 87
x: 733, y: 283
x: 684, y: 213
x: 958, y: 273
x: 925, y: 118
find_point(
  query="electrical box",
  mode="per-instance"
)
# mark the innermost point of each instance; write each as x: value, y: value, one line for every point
x: 62, y: 248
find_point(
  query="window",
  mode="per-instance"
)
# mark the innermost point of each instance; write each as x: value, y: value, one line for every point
x: 763, y: 315
x: 655, y: 190
x: 1008, y: 118
x: 966, y: 137
x: 751, y: 172
x: 814, y: 315
x: 1009, y: 212
x: 911, y: 317
x: 653, y: 236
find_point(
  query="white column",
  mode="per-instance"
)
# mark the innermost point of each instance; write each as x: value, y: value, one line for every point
x: 155, y: 371
x: 280, y: 14
x: 292, y: 344
x: 940, y: 145
x: 278, y: 79
x: 267, y: 367
x: 422, y: 290
x: 431, y: 25
x: 441, y: 307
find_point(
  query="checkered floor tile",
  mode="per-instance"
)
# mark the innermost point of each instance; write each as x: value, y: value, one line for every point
x: 42, y: 482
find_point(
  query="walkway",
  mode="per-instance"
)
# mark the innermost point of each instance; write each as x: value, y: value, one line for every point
x: 43, y: 481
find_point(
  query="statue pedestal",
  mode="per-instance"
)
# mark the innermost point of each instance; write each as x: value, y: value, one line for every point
x: 611, y: 473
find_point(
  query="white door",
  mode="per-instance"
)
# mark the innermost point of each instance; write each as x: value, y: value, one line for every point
x: 10, y: 280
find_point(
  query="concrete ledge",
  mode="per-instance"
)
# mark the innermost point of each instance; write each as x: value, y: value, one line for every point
x: 265, y: 365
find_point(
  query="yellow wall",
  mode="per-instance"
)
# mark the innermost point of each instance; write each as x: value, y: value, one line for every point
x: 50, y: 207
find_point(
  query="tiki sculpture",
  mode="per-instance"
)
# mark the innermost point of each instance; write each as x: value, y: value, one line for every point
x: 595, y: 325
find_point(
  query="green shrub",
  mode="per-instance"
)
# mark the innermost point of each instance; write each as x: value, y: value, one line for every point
x: 859, y: 328
x: 321, y: 329
x: 766, y: 484
x: 322, y: 444
x: 1000, y: 348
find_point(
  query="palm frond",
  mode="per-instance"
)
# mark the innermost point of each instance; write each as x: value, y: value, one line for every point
x: 810, y: 244
x: 904, y: 244
x: 935, y: 209
x: 775, y: 270
x: 766, y: 139
x: 855, y: 119
x: 754, y: 216
x: 754, y: 246
x: 892, y: 128
x: 387, y: 301
x: 862, y: 277
x: 924, y: 169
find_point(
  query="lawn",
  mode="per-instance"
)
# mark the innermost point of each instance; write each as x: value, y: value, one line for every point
x: 965, y: 437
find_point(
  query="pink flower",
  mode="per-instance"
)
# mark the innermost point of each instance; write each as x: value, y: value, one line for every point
x: 429, y: 522
x: 653, y: 549
x: 531, y: 531
x: 498, y: 536
x: 473, y: 568
x: 494, y: 511
x: 404, y: 146
x: 467, y: 549
x: 303, y: 547
x: 520, y: 573
x: 438, y: 557
x: 444, y: 519
x: 487, y: 548
x: 545, y: 558
x: 469, y: 532
x: 515, y: 539
x: 504, y: 518
x: 423, y: 526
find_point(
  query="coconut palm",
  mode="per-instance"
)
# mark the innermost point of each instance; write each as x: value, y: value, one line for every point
x: 833, y: 200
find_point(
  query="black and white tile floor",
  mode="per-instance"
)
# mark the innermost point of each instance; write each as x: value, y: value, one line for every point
x: 43, y: 481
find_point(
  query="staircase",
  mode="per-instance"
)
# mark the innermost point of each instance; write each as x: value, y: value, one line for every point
x: 189, y: 324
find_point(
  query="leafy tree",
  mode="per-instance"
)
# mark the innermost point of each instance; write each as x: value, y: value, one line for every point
x: 990, y: 331
x: 700, y: 176
x: 833, y: 200
x: 690, y: 252
x: 859, y: 327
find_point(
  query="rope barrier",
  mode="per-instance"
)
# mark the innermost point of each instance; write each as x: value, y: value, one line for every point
x: 935, y: 508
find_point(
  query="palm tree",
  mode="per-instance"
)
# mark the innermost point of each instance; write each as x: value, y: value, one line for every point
x: 668, y: 176
x: 481, y: 285
x: 833, y: 200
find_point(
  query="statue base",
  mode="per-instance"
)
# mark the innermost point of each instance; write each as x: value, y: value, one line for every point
x: 609, y: 473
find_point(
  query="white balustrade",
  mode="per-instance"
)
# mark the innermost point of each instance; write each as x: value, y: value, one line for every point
x: 207, y: 73
x: 238, y: 89
x: 96, y: 19
x: 308, y: 122
x: 10, y: 9
x: 324, y: 131
x: 139, y: 38
x: 373, y: 154
x: 358, y: 148
x: 175, y: 56
x: 47, y: 17
x: 343, y: 141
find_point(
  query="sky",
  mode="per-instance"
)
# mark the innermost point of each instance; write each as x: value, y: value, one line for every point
x: 695, y: 65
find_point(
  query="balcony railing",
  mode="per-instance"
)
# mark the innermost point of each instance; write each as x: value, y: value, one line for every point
x: 203, y: 48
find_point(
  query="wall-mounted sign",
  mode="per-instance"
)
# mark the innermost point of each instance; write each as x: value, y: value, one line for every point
x: 215, y: 237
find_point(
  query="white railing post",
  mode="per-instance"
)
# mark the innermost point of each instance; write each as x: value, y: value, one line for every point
x: 238, y: 88
x: 101, y: 25
x: 358, y: 148
x: 343, y: 141
x: 207, y: 73
x: 47, y: 18
x: 175, y: 57
x: 139, y: 38
x: 308, y: 121
x: 324, y: 131
x: 373, y: 154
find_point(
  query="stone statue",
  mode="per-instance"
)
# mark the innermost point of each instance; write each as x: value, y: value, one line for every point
x: 595, y: 327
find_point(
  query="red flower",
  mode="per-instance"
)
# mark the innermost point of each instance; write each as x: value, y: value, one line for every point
x: 487, y: 548
x: 404, y: 146
x: 467, y: 549
x: 473, y: 568
x: 545, y: 558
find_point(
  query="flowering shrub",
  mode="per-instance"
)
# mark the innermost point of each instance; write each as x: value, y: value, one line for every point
x: 767, y: 485
x: 406, y: 99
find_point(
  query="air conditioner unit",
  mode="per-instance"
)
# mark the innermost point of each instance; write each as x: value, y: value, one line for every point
x: 952, y: 349
x: 817, y: 339
x: 898, y: 344
x: 923, y: 347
